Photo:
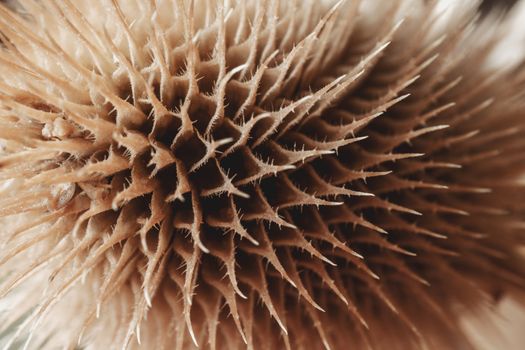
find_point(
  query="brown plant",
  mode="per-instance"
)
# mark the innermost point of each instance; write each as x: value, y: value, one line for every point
x: 262, y: 174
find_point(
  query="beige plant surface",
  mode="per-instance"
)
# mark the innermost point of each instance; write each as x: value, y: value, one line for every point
x: 257, y: 174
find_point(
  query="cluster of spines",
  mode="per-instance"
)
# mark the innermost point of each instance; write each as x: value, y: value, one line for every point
x: 247, y: 159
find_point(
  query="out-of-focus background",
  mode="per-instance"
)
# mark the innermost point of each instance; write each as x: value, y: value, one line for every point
x: 504, y: 328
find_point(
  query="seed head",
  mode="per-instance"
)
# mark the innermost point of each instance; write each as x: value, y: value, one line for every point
x: 256, y: 174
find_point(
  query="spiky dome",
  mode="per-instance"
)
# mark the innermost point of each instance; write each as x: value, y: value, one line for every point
x: 263, y: 174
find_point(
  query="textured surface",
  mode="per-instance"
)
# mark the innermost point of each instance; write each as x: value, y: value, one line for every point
x: 261, y: 174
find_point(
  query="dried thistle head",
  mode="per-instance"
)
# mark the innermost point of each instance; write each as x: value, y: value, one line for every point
x: 262, y: 174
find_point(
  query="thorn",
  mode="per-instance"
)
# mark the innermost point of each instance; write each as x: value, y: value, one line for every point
x: 242, y: 194
x: 202, y: 247
x: 192, y: 335
x: 379, y: 229
x: 454, y: 166
x: 439, y: 127
x: 482, y: 190
x: 318, y: 307
x: 241, y: 294
x: 147, y: 297
x: 325, y: 259
x: 363, y: 194
x: 292, y: 226
x: 357, y: 255
x: 137, y: 331
x: 356, y: 139
x: 283, y: 328
x: 398, y: 24
x: 373, y: 275
x: 414, y: 212
x: 224, y: 141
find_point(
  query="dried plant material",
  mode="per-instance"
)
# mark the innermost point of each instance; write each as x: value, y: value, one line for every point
x: 256, y: 174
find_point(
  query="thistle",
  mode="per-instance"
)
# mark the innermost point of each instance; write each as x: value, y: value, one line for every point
x: 256, y: 174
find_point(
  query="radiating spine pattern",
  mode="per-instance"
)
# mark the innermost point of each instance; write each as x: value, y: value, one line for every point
x: 257, y: 174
